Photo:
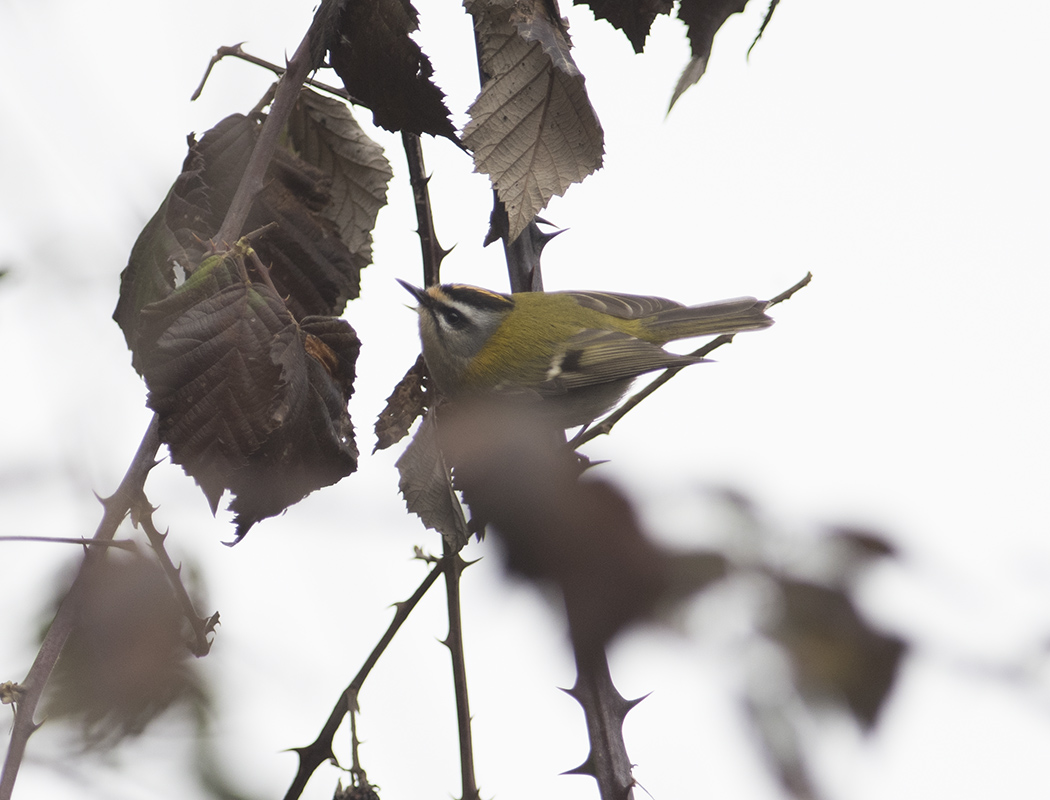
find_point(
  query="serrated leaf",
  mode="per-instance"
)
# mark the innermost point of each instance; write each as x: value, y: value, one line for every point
x: 630, y: 16
x: 405, y: 404
x: 532, y: 128
x: 426, y: 483
x: 702, y: 18
x: 249, y: 400
x: 312, y: 268
x: 384, y: 70
x: 324, y: 134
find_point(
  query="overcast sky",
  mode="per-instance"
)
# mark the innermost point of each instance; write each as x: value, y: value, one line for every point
x: 896, y: 150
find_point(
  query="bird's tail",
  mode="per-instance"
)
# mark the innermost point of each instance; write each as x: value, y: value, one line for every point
x: 723, y: 316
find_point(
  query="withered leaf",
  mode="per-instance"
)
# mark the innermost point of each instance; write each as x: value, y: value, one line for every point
x: 384, y: 70
x: 426, y: 483
x: 248, y: 399
x: 311, y: 266
x: 702, y: 18
x: 323, y: 132
x: 126, y: 660
x: 836, y: 653
x: 581, y: 536
x: 532, y: 128
x: 633, y: 17
x: 406, y: 403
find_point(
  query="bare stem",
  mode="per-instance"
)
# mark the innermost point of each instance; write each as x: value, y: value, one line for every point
x: 237, y: 52
x: 116, y: 508
x: 607, y: 424
x: 251, y: 184
x: 122, y: 544
x: 320, y: 750
x: 604, y: 709
x: 142, y: 515
x: 433, y: 252
x: 454, y: 642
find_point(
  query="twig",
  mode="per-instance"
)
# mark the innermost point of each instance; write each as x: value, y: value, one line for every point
x: 121, y: 544
x: 284, y: 100
x: 320, y: 750
x: 786, y: 294
x: 606, y: 425
x: 237, y: 52
x: 433, y: 252
x: 142, y: 515
x: 263, y: 272
x: 116, y: 507
x: 454, y: 643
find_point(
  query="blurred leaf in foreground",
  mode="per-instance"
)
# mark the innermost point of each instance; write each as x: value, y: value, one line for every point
x: 126, y: 661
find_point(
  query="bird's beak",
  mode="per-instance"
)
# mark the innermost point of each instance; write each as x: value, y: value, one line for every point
x: 415, y: 291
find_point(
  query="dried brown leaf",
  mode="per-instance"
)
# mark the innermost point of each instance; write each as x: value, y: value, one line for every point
x: 406, y: 403
x: 311, y: 267
x: 702, y: 18
x: 249, y: 399
x: 384, y: 70
x: 837, y: 654
x: 633, y: 17
x: 324, y: 133
x: 426, y: 483
x: 126, y: 661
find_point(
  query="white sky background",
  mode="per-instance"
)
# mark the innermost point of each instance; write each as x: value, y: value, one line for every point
x: 897, y: 150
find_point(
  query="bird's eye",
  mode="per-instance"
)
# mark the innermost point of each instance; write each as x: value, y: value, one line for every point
x: 454, y: 318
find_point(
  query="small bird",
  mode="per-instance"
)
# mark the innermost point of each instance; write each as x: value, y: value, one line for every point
x: 577, y: 351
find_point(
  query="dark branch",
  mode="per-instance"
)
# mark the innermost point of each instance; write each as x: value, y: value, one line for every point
x: 237, y: 52
x: 251, y: 184
x: 454, y: 642
x: 604, y: 709
x: 433, y: 252
x: 142, y: 515
x: 320, y: 750
x: 122, y: 544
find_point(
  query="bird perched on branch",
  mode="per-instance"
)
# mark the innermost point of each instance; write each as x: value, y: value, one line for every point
x: 577, y: 351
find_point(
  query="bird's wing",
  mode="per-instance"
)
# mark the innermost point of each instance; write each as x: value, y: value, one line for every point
x: 624, y: 306
x: 594, y: 357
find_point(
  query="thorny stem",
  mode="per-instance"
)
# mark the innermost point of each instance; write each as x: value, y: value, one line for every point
x: 433, y: 252
x: 142, y: 516
x: 116, y: 508
x: 604, y: 707
x: 122, y: 544
x: 237, y: 52
x: 320, y: 750
x: 254, y: 174
x: 454, y: 642
x: 604, y: 710
x: 432, y: 256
